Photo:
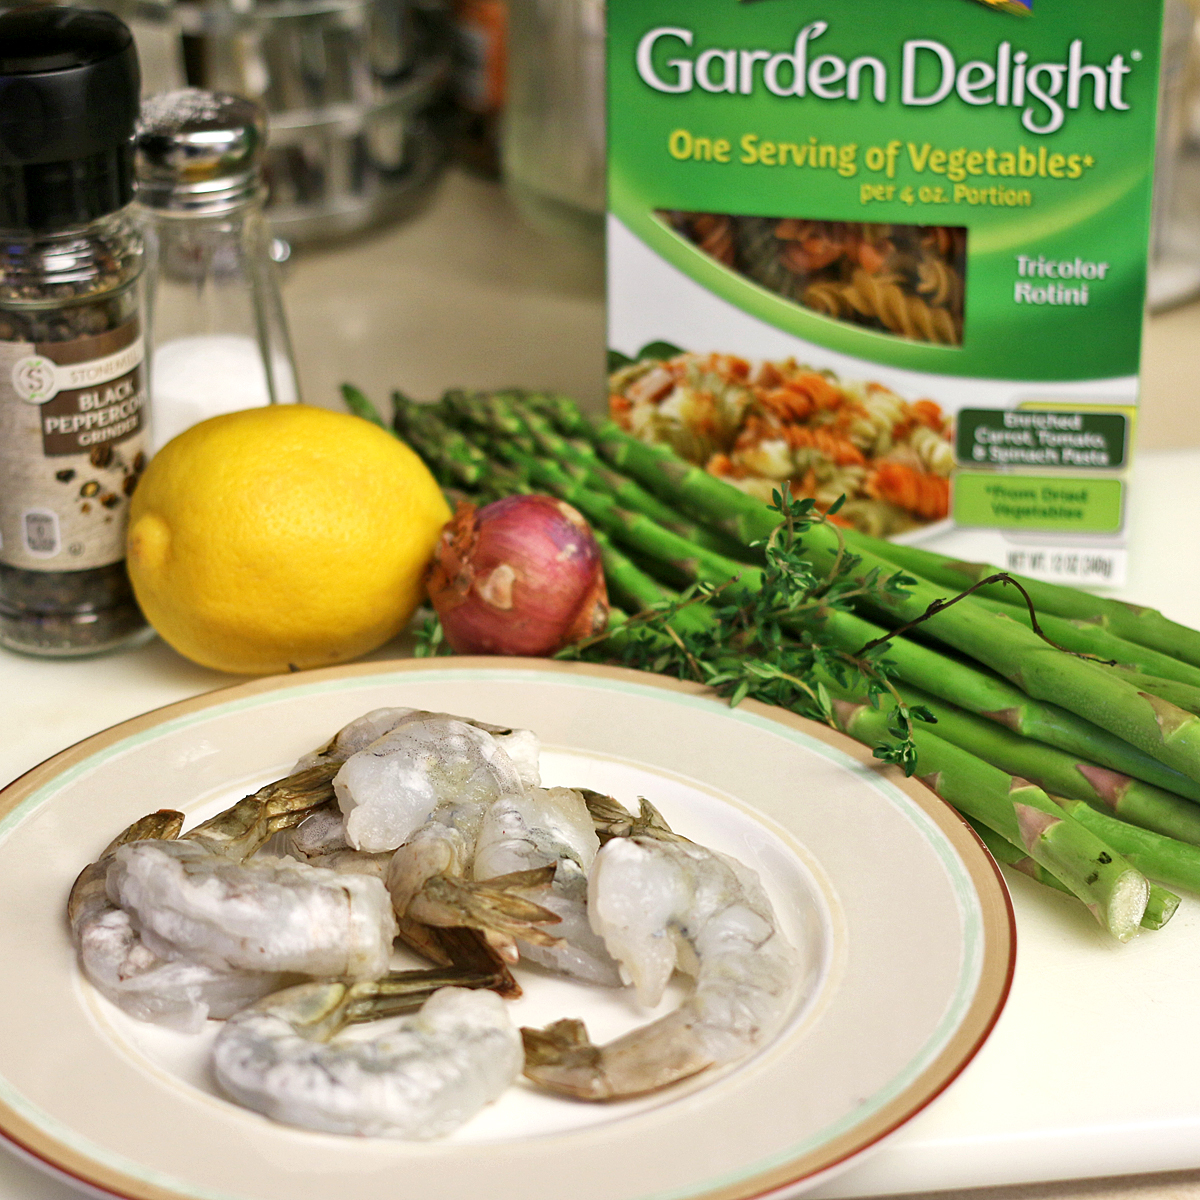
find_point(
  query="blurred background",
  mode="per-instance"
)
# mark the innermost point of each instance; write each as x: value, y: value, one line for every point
x: 436, y: 176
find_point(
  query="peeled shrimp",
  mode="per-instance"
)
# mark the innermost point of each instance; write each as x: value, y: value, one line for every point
x: 270, y: 915
x: 521, y: 745
x: 145, y: 920
x: 420, y: 1081
x: 150, y: 986
x: 198, y: 898
x: 547, y: 827
x: 663, y: 903
x: 392, y: 787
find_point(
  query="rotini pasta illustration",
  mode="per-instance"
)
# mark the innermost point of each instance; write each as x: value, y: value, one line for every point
x: 774, y: 424
x: 905, y: 280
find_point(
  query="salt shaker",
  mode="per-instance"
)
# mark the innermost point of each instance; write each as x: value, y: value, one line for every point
x: 72, y: 396
x: 217, y: 332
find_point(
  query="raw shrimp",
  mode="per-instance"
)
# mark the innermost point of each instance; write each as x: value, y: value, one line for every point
x: 270, y: 915
x: 661, y: 902
x: 550, y: 827
x: 392, y: 787
x: 197, y: 898
x: 320, y: 841
x: 323, y: 839
x: 420, y: 1081
x: 168, y: 990
x: 429, y: 881
x: 521, y: 745
x: 172, y: 962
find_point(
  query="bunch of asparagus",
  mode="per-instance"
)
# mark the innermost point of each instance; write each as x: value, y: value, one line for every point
x: 1069, y: 737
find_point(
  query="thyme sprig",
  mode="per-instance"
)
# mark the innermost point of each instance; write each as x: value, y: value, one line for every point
x: 752, y: 646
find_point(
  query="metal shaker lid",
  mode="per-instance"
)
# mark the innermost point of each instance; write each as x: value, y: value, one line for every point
x: 198, y: 152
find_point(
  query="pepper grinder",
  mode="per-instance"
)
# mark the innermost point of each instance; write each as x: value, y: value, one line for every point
x: 217, y: 331
x: 72, y: 392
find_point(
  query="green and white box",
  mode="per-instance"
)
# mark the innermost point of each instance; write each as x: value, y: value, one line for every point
x: 891, y: 249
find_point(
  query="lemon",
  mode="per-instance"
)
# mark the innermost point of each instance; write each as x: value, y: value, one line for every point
x: 282, y: 537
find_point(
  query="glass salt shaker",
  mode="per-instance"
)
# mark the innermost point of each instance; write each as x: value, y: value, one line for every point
x: 72, y: 397
x: 553, y: 142
x: 216, y: 325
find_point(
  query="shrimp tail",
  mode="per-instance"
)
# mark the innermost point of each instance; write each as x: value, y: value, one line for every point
x: 611, y: 819
x: 240, y: 830
x: 562, y: 1059
x: 88, y: 890
x: 498, y: 906
x: 462, y: 949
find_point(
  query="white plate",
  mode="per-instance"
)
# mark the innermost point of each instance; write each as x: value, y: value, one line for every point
x: 906, y: 929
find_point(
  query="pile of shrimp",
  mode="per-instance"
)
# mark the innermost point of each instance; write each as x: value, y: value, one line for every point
x: 776, y: 424
x: 279, y: 918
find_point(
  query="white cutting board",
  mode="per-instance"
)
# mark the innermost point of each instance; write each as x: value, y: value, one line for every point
x: 1091, y: 1070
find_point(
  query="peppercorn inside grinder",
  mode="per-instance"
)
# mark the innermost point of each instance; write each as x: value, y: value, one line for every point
x: 216, y: 330
x: 73, y: 420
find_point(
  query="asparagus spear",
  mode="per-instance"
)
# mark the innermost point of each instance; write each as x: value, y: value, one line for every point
x: 1160, y: 906
x: 675, y: 480
x: 1059, y: 773
x: 638, y: 591
x: 456, y: 460
x: 1175, y: 863
x: 360, y: 406
x: 1111, y: 887
x: 1134, y: 622
x: 1084, y: 638
x: 1183, y: 695
x: 987, y: 694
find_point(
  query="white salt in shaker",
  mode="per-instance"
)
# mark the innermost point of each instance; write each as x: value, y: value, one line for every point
x: 217, y: 333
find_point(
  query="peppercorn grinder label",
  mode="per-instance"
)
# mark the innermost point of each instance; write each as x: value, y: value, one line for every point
x: 72, y: 445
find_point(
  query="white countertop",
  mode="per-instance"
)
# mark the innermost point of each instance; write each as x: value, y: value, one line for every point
x: 466, y: 295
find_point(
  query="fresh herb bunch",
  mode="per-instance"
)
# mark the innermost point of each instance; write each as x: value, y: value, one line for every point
x: 750, y: 648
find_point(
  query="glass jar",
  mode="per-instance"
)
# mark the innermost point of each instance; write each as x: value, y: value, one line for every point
x: 554, y: 129
x: 72, y: 398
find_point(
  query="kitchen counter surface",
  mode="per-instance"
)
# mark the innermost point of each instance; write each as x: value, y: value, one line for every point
x: 465, y: 294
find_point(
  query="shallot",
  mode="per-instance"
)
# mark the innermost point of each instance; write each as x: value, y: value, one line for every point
x: 521, y: 575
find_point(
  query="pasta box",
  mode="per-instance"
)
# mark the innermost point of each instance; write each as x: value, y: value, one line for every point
x: 891, y: 251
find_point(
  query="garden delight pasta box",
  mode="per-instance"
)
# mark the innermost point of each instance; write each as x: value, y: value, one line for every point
x: 891, y: 249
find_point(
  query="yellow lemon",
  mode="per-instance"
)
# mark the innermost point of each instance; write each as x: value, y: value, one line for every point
x: 282, y: 537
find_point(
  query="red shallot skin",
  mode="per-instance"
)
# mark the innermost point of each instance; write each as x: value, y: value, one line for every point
x: 519, y: 576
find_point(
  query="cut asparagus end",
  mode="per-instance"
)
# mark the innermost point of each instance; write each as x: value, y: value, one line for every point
x: 1127, y: 903
x: 1160, y: 908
